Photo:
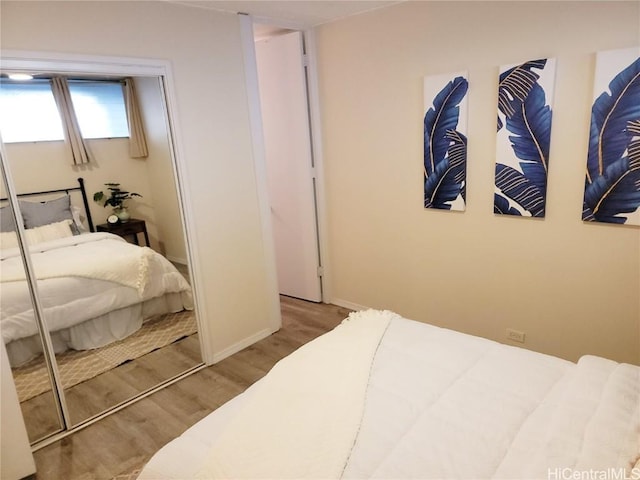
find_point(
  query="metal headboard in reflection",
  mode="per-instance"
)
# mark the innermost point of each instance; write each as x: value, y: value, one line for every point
x: 66, y: 190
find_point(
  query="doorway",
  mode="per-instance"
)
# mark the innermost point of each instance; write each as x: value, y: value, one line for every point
x: 290, y: 166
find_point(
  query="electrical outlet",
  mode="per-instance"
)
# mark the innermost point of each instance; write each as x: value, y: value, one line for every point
x: 515, y: 335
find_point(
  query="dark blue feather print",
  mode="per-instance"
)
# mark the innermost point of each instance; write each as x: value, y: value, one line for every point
x: 447, y: 181
x: 531, y: 126
x: 501, y: 205
x: 515, y: 84
x: 440, y: 118
x: 518, y: 188
x: 612, y: 184
x: 615, y: 192
x: 457, y: 154
x: 528, y: 118
x: 444, y: 147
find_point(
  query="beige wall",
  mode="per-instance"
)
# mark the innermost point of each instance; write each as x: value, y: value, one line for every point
x: 160, y: 172
x: 204, y: 49
x: 39, y: 166
x: 572, y: 288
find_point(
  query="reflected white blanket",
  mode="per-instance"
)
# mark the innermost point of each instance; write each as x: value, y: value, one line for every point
x: 72, y: 298
x: 99, y: 256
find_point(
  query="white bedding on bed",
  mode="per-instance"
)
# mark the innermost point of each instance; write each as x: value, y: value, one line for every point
x: 324, y: 384
x: 85, y: 289
x: 441, y: 404
x: 457, y: 406
x: 98, y: 256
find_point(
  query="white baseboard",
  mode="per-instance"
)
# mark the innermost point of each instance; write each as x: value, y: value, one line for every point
x: 262, y: 334
x: 346, y: 304
x: 244, y: 343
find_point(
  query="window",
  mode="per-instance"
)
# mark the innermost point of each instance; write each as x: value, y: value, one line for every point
x: 99, y: 107
x: 28, y: 111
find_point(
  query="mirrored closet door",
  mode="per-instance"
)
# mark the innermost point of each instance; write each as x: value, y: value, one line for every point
x: 115, y: 289
x: 16, y: 303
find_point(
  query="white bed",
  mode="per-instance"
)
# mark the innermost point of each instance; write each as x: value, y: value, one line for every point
x: 95, y: 288
x: 381, y: 396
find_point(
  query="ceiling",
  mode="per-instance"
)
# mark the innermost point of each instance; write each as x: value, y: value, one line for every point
x: 292, y: 13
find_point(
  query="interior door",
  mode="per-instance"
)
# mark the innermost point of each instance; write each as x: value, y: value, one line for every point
x: 290, y: 170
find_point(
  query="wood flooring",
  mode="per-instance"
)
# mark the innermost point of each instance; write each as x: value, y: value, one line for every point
x: 97, y: 394
x: 123, y: 442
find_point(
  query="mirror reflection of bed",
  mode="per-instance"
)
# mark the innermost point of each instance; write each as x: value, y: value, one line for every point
x: 43, y: 419
x: 121, y: 316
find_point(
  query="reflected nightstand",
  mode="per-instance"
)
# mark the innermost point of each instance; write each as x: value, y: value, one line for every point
x: 130, y: 228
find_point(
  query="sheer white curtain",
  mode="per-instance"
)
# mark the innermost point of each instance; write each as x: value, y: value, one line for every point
x: 72, y: 136
x: 137, y: 140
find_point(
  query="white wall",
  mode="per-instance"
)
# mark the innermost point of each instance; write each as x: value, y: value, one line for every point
x: 572, y: 287
x: 204, y: 49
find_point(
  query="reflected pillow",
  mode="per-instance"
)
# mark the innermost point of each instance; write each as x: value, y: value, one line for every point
x: 44, y: 213
x: 78, y: 219
x: 44, y: 233
x: 53, y: 231
x: 8, y: 240
x: 6, y: 220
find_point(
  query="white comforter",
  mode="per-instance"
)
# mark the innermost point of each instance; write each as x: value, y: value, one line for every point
x: 324, y: 385
x: 80, y: 278
x: 441, y: 404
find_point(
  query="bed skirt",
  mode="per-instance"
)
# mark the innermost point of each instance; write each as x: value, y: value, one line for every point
x: 102, y: 330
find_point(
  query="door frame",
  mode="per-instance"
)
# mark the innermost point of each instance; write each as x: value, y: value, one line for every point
x: 251, y: 79
x: 67, y: 63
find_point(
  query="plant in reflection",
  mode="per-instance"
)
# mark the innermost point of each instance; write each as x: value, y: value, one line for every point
x: 115, y: 197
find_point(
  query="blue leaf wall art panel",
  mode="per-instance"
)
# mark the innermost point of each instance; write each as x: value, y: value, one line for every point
x: 525, y: 96
x: 612, y: 184
x: 445, y: 141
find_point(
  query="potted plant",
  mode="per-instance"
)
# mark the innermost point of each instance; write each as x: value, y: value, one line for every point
x: 116, y: 198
